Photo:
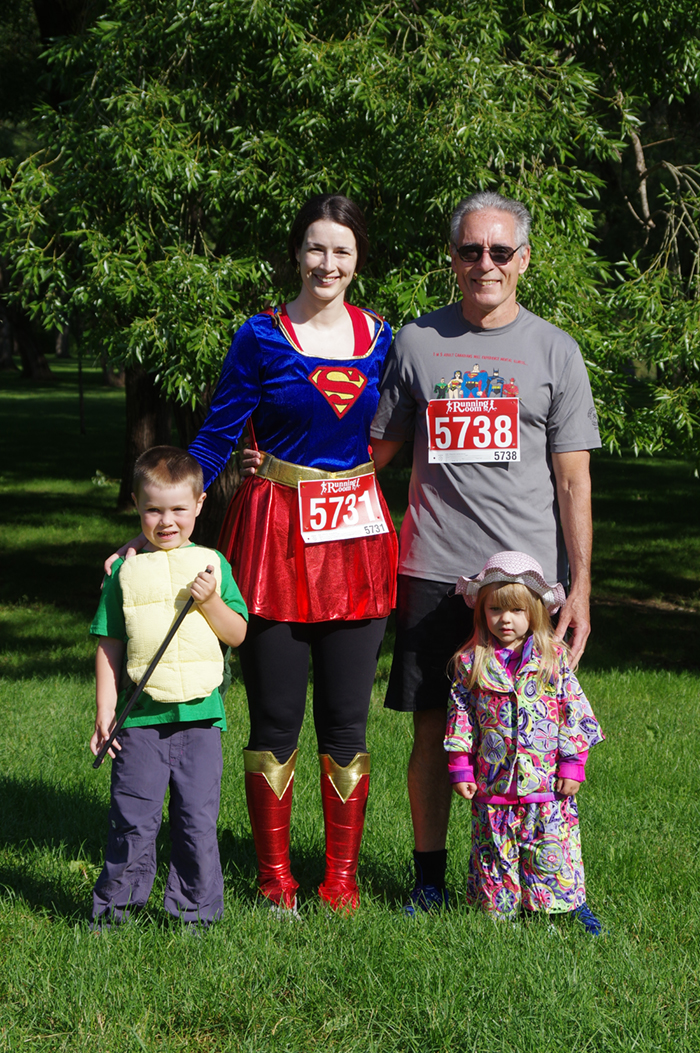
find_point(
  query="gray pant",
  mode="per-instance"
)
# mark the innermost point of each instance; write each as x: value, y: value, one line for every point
x: 187, y: 758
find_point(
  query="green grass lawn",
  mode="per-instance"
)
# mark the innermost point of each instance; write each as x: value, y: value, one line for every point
x: 376, y: 981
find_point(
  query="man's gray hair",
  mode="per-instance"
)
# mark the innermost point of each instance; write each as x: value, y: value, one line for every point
x: 488, y: 199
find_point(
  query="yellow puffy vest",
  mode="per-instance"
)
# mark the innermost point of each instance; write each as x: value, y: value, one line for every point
x: 155, y: 588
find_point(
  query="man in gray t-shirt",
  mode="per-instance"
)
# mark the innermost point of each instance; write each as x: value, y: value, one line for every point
x: 488, y: 475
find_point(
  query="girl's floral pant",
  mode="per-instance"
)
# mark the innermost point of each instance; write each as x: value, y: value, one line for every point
x: 526, y: 856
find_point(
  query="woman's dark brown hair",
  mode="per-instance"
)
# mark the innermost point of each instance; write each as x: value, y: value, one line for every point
x: 340, y: 210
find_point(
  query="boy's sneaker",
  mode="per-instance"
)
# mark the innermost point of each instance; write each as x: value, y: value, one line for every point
x: 589, y: 921
x: 427, y: 898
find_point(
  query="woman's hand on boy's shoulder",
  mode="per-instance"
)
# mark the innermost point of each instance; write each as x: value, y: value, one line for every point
x: 128, y: 549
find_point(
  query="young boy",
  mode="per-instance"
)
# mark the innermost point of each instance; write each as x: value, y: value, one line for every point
x: 172, y: 737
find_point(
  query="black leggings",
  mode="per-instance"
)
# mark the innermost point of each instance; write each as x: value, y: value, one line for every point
x: 275, y: 663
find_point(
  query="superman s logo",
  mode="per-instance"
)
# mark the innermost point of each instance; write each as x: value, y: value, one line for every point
x: 341, y: 386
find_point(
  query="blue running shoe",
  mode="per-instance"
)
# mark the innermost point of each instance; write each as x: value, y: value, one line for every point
x: 428, y: 898
x: 589, y: 921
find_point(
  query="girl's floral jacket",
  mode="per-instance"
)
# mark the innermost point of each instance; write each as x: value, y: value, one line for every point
x: 510, y: 723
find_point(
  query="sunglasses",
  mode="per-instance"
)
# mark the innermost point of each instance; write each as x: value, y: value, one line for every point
x: 499, y: 253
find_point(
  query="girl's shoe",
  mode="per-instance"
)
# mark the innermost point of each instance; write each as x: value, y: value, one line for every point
x: 589, y: 921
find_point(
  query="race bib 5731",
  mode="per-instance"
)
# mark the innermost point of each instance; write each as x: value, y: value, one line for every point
x: 331, y: 509
x: 461, y: 431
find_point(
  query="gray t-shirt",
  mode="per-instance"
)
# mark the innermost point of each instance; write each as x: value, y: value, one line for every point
x: 461, y: 514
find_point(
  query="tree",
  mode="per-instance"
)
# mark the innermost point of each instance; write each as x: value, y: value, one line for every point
x: 156, y: 209
x: 646, y: 59
x: 25, y: 29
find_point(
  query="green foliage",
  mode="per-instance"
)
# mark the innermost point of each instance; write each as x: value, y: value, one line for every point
x: 154, y: 216
x: 156, y: 211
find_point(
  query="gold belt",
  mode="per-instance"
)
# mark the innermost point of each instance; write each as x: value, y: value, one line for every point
x: 289, y: 474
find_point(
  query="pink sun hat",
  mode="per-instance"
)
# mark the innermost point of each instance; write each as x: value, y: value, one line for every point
x: 515, y: 568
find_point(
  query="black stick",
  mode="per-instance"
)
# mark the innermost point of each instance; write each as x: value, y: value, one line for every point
x: 144, y: 680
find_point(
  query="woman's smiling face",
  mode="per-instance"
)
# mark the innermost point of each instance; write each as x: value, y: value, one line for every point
x: 327, y: 259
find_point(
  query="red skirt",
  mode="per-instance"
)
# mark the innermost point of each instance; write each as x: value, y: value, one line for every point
x: 283, y: 579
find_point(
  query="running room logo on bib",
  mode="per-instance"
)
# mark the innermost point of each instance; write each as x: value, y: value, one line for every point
x: 341, y: 386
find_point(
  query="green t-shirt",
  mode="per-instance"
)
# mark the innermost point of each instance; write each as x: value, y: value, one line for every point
x: 109, y: 621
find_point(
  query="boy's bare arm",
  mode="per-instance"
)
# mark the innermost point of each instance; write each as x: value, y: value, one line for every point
x: 228, y: 625
x: 108, y: 664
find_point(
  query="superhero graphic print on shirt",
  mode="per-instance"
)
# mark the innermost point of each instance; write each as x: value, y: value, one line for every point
x: 477, y: 383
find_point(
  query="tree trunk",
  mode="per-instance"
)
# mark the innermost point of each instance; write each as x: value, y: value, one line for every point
x: 61, y: 344
x: 148, y: 423
x: 34, y: 364
x: 221, y: 491
x: 6, y: 359
x: 111, y: 376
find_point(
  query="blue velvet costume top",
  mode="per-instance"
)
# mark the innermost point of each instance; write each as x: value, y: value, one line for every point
x: 311, y: 411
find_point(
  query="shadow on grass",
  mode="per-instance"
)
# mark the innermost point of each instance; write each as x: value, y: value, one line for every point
x: 646, y: 542
x: 66, y: 574
x: 62, y: 829
x: 41, y: 434
x: 53, y: 839
x: 36, y: 643
x: 631, y: 636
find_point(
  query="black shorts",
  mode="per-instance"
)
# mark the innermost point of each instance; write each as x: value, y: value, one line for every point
x: 431, y: 623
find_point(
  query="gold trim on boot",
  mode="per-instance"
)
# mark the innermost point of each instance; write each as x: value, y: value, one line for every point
x: 344, y: 780
x: 278, y: 776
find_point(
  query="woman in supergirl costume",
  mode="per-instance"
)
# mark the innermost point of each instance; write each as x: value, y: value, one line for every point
x: 304, y: 376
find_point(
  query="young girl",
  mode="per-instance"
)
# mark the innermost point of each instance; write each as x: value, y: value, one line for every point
x: 519, y: 729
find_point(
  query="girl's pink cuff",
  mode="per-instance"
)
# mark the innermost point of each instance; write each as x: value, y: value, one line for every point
x: 573, y: 767
x: 461, y: 767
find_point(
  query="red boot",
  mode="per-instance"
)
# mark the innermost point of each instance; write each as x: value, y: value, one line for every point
x: 344, y: 795
x: 268, y: 788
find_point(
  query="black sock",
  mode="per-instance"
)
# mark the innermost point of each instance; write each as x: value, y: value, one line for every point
x: 430, y: 867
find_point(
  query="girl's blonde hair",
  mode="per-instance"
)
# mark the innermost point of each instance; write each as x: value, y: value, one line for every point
x: 509, y: 595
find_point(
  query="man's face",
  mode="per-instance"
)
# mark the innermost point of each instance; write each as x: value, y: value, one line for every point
x: 488, y: 289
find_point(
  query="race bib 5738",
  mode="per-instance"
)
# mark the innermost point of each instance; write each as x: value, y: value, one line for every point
x: 461, y: 431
